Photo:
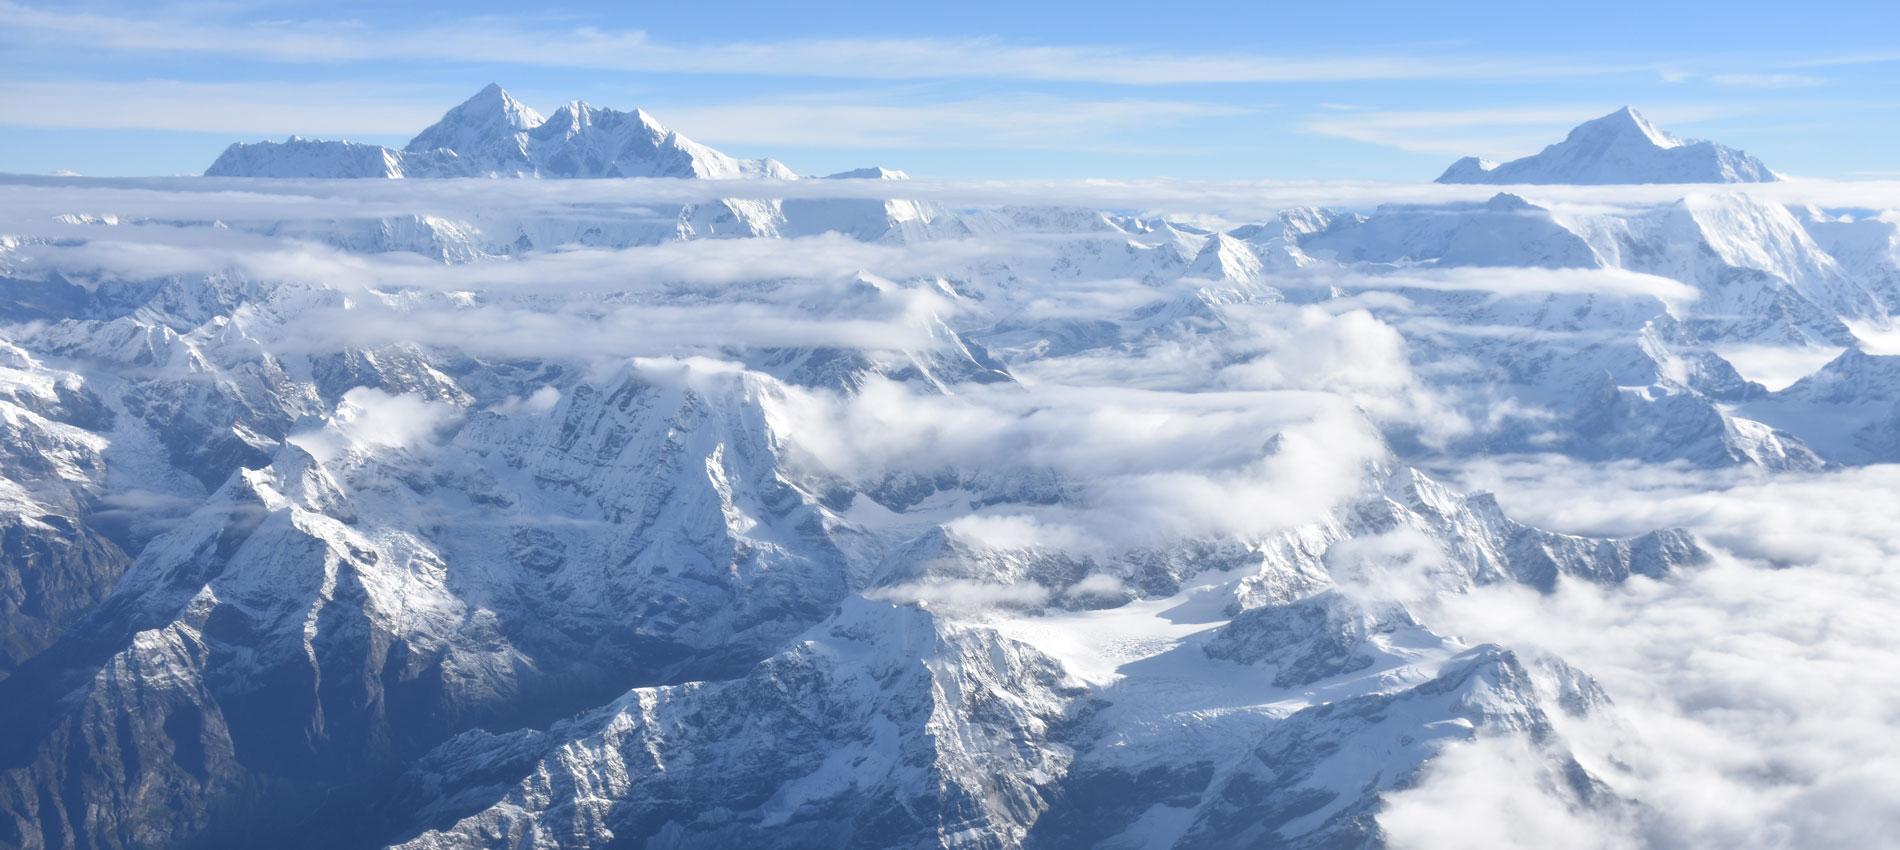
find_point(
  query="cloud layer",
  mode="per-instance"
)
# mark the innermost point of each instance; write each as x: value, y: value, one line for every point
x: 1754, y: 698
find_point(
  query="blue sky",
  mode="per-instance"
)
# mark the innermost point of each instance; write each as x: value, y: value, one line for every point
x: 1369, y: 90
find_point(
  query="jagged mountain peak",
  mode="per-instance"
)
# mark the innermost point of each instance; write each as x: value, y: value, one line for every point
x: 570, y: 117
x: 1621, y: 147
x: 577, y: 116
x: 1853, y: 377
x: 494, y: 135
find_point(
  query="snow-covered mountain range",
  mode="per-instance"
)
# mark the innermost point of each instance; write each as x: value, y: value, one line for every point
x: 459, y: 516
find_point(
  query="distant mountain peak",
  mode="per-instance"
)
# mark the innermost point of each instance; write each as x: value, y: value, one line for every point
x: 1621, y: 147
x: 1508, y: 202
x: 571, y: 116
x: 1468, y: 170
x: 494, y: 135
x: 872, y: 173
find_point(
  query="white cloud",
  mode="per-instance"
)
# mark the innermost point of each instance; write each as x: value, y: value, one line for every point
x: 645, y: 301
x: 1766, y: 81
x: 371, y: 418
x: 1493, y: 793
x: 1776, y: 366
x: 1349, y: 353
x: 1525, y: 281
x: 1876, y: 337
x: 1098, y: 586
x: 1147, y: 466
x: 332, y: 110
x: 963, y: 594
x: 1754, y: 697
x: 31, y: 201
x: 542, y: 400
x: 1013, y: 531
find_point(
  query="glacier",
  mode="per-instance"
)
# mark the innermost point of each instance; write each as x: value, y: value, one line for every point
x: 651, y: 497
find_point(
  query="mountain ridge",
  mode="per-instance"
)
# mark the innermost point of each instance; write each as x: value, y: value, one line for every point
x: 493, y: 135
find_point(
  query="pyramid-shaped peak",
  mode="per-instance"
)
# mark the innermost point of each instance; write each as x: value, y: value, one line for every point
x: 488, y: 119
x: 493, y: 101
x: 1621, y: 147
x: 493, y: 95
x: 1625, y: 123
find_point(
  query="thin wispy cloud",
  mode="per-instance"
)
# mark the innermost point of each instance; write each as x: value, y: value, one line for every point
x: 514, y: 41
x: 857, y: 120
x: 1845, y: 59
x: 991, y: 122
x: 275, y: 108
x: 1767, y: 81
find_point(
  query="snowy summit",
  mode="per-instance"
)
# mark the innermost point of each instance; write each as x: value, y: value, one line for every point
x: 1619, y: 148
